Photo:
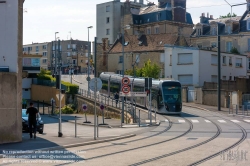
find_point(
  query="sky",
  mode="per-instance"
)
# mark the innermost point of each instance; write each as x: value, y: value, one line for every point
x: 42, y: 18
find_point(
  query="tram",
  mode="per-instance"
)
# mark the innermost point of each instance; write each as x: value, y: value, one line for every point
x: 166, y: 94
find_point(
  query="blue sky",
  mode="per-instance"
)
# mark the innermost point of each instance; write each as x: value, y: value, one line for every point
x: 45, y: 17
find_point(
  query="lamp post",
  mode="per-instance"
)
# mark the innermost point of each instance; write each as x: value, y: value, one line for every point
x: 88, y: 79
x: 55, y: 69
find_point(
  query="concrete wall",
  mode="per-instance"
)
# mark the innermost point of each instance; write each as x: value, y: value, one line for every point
x: 210, y: 98
x: 45, y: 93
x: 11, y: 33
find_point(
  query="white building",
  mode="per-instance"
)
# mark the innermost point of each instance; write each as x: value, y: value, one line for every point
x: 192, y: 67
x: 108, y: 19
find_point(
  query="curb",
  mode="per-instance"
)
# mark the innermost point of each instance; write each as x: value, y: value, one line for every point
x: 85, y: 124
x: 77, y: 144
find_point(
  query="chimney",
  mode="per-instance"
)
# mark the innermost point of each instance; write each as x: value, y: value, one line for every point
x: 178, y: 10
x: 135, y: 1
x: 207, y: 15
x: 211, y: 17
x: 141, y: 2
x: 248, y: 5
x: 202, y: 14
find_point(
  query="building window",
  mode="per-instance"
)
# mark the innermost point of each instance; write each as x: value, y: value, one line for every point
x: 37, y: 49
x: 44, y: 47
x: 156, y: 30
x: 162, y: 58
x: 120, y: 59
x: 199, y: 32
x: 107, y: 31
x: 224, y: 60
x: 248, y: 45
x: 137, y: 58
x: 229, y: 46
x: 214, y: 60
x: 74, y: 61
x: 230, y: 61
x: 44, y: 60
x: 248, y: 24
x: 238, y: 62
x: 44, y: 53
x: 214, y: 78
x: 69, y: 54
x: 186, y: 79
x: 224, y: 77
x: 228, y: 29
x: 214, y: 31
x: 107, y: 8
x: 107, y: 20
x: 148, y: 31
x: 185, y: 58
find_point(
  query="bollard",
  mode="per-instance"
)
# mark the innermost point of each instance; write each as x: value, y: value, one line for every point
x: 139, y: 118
x: 229, y: 110
x: 155, y: 114
x: 43, y: 107
x: 38, y: 105
x: 52, y: 107
x: 236, y: 109
x: 97, y: 127
x: 75, y: 128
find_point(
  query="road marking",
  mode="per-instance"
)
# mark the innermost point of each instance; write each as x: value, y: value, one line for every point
x: 222, y: 121
x: 247, y: 121
x: 235, y: 121
x: 166, y: 120
x: 195, y: 121
x: 181, y: 121
x: 208, y: 121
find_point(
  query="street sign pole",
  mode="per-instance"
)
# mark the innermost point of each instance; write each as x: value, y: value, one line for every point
x: 95, y: 110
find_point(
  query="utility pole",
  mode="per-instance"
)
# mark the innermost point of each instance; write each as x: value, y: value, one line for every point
x: 60, y: 91
x: 88, y: 79
x: 123, y: 71
x: 219, y: 70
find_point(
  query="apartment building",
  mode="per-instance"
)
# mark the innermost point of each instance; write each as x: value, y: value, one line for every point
x: 234, y: 33
x: 193, y: 66
x: 38, y: 49
x: 108, y: 20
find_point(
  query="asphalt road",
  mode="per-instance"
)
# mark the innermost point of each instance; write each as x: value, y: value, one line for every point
x: 196, y: 137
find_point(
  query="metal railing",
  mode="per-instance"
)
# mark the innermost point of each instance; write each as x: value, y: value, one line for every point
x: 242, y: 110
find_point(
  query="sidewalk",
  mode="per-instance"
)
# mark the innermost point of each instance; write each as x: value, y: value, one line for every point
x: 207, y: 107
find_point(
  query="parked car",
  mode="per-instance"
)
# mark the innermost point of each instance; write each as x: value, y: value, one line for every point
x: 25, y: 127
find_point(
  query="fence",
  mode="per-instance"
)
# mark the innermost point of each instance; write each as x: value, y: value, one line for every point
x: 243, y: 110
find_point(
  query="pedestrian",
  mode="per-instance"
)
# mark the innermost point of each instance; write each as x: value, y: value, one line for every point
x: 32, y: 119
x: 116, y: 98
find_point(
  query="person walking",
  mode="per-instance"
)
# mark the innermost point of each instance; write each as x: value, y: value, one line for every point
x: 32, y: 119
x: 116, y: 98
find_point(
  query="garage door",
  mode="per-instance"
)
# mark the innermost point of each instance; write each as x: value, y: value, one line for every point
x: 186, y: 79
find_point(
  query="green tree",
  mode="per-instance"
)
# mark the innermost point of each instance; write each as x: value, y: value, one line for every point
x: 234, y: 50
x: 129, y: 72
x: 228, y: 15
x: 151, y: 70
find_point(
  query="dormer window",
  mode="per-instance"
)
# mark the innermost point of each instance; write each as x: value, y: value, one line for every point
x: 228, y: 29
x: 248, y: 24
x: 198, y: 31
x: 148, y: 31
x: 214, y: 31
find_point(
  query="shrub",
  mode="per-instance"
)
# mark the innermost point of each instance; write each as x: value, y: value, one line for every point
x: 67, y: 109
x: 72, y: 88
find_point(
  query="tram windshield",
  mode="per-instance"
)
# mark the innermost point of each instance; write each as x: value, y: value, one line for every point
x: 171, y: 94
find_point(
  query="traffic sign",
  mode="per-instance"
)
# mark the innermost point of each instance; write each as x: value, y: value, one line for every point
x: 125, y: 81
x: 84, y: 107
x: 101, y: 106
x: 57, y: 96
x: 88, y: 78
x: 98, y: 84
x: 125, y: 89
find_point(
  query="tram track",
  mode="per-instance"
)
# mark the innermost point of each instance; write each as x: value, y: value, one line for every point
x: 243, y: 137
x: 149, y: 145
x: 182, y: 150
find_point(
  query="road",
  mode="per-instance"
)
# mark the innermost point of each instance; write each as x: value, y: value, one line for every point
x: 196, y: 137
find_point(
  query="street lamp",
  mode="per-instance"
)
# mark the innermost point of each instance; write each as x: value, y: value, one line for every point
x: 55, y: 69
x: 88, y: 79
